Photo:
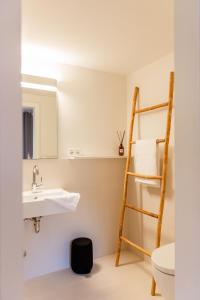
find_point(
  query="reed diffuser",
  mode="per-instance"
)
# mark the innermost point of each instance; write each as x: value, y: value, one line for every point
x: 121, y: 139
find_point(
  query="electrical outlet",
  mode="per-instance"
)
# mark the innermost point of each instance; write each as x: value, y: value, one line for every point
x: 77, y: 152
x: 71, y: 152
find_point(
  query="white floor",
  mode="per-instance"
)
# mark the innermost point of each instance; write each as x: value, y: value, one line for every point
x: 130, y: 281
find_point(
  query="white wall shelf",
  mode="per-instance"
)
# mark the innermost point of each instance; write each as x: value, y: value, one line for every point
x: 96, y: 157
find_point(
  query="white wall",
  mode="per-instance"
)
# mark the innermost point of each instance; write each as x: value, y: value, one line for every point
x: 187, y: 151
x: 91, y: 110
x: 99, y: 182
x: 153, y: 81
x: 91, y: 107
x: 11, y: 279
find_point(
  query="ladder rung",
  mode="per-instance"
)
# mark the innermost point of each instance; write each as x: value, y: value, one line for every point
x: 135, y: 246
x: 149, y: 108
x: 158, y: 141
x: 142, y: 211
x: 144, y: 176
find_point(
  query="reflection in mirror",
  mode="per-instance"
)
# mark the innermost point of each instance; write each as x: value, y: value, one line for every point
x: 27, y: 133
x: 39, y: 114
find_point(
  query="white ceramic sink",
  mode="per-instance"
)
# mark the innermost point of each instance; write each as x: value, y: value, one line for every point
x: 47, y: 202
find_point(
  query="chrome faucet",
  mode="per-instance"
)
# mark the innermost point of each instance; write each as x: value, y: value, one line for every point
x: 36, y: 172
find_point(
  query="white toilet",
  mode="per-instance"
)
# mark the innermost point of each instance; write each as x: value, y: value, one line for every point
x: 163, y: 262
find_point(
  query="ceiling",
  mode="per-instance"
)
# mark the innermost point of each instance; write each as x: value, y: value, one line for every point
x: 116, y: 36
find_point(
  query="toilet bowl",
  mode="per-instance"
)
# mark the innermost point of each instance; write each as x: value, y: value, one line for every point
x: 163, y: 264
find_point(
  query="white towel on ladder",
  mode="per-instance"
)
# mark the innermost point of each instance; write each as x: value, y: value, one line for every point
x: 146, y: 161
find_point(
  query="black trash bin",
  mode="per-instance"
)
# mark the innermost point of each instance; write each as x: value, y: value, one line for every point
x: 82, y: 255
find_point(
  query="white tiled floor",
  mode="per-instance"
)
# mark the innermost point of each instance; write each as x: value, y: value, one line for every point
x: 130, y: 281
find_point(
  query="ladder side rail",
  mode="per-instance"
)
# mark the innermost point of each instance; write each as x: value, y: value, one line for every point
x: 128, y: 161
x: 164, y: 171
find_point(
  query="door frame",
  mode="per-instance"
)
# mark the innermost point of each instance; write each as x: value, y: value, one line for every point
x: 187, y: 148
x: 11, y: 242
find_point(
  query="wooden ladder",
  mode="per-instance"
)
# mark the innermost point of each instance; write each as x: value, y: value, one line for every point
x: 162, y: 178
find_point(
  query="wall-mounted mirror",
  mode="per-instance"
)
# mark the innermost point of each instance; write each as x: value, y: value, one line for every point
x: 40, y: 120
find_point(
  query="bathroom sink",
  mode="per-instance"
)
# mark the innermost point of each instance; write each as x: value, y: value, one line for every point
x: 45, y: 202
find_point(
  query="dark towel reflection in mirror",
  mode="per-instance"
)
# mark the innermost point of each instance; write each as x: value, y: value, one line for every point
x: 27, y: 133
